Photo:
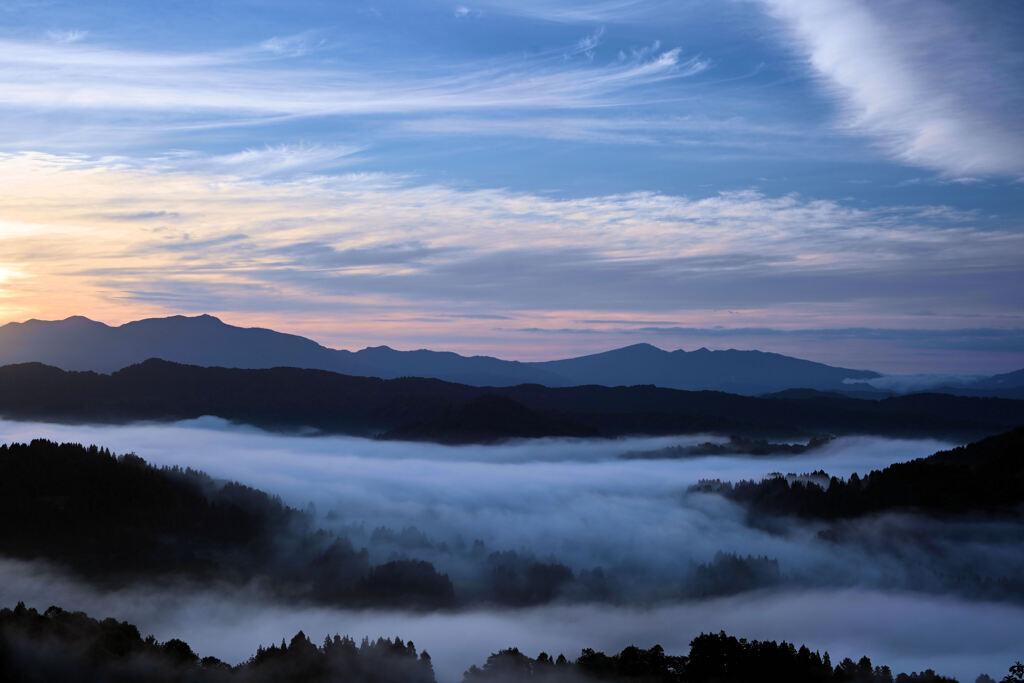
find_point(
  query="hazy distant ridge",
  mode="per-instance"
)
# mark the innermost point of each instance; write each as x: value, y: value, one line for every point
x: 78, y: 343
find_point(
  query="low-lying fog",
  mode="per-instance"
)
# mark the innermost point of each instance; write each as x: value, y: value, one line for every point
x: 577, y: 502
x: 905, y: 631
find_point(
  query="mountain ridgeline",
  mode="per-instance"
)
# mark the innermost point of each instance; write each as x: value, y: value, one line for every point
x: 417, y: 409
x: 78, y: 343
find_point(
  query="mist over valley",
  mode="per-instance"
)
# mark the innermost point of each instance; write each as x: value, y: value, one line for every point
x: 512, y: 341
x: 553, y: 532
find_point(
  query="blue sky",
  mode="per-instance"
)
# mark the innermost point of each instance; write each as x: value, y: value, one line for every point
x: 837, y: 179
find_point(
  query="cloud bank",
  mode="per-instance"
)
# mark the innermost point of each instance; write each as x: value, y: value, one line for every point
x: 883, y: 591
x: 575, y: 501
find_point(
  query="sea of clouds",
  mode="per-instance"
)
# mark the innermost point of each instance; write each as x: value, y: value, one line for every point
x: 580, y: 503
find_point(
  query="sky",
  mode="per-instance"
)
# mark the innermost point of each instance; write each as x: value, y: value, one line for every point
x: 841, y: 180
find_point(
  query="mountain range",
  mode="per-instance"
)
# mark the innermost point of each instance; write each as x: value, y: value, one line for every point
x: 419, y: 409
x: 78, y: 343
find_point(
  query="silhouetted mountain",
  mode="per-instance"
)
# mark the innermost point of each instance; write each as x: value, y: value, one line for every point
x: 78, y: 343
x: 429, y: 409
x: 738, y: 372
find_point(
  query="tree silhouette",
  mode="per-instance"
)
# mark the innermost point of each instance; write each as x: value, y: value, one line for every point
x: 1016, y: 674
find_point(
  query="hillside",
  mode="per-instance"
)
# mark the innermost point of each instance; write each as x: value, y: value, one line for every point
x: 984, y: 476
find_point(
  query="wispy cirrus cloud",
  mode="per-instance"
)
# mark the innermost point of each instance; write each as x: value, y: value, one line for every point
x: 578, y: 11
x: 239, y: 83
x: 936, y: 85
x: 734, y: 132
x: 267, y: 161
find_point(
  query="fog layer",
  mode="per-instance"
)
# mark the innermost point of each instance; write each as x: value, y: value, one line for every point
x: 903, y: 630
x: 574, y: 500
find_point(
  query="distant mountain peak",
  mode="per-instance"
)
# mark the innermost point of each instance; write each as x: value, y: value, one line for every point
x: 642, y: 347
x: 36, y: 325
x: 201, y: 318
x: 206, y: 317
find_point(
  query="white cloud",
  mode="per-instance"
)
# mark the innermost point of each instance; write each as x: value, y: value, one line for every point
x: 291, y: 46
x: 587, y: 45
x: 66, y: 36
x: 931, y: 84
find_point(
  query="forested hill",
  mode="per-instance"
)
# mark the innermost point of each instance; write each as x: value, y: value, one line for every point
x: 433, y: 410
x: 115, y: 519
x: 72, y: 647
x: 987, y: 476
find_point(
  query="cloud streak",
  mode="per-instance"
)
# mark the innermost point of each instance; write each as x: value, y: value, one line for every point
x: 684, y: 131
x: 263, y: 230
x: 577, y: 11
x: 934, y: 85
